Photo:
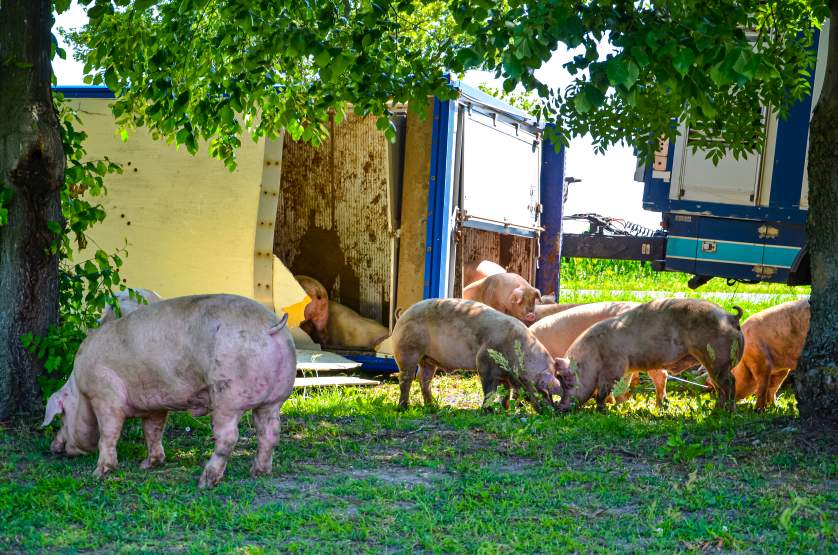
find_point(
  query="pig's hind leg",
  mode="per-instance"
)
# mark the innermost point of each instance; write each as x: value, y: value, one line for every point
x: 153, y: 425
x: 427, y: 369
x: 407, y: 363
x: 777, y: 379
x: 266, y: 420
x: 225, y: 431
x: 110, y: 419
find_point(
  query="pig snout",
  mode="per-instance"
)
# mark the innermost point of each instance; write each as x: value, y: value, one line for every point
x: 529, y: 317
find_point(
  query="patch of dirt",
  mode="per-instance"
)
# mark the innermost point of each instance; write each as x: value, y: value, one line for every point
x: 514, y: 465
x: 292, y: 492
x: 399, y: 475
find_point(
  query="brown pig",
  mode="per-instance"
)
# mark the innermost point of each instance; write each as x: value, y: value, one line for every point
x: 128, y: 303
x: 316, y: 312
x: 474, y: 271
x: 558, y: 331
x: 773, y: 342
x: 347, y: 328
x: 506, y: 292
x: 654, y: 335
x: 456, y: 333
x: 219, y: 354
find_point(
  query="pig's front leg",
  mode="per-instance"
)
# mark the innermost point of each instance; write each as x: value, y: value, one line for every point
x: 659, y: 378
x: 266, y: 420
x: 491, y: 376
x: 153, y: 426
x: 225, y: 431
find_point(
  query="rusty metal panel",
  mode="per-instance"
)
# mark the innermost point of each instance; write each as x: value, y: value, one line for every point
x: 332, y: 216
x: 414, y: 210
x: 516, y: 254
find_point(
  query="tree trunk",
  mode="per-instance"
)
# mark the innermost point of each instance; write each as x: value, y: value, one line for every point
x: 32, y: 167
x: 816, y: 379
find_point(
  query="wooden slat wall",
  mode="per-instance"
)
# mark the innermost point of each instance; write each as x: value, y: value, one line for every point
x: 332, y: 215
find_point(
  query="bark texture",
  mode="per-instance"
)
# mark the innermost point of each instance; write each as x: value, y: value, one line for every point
x: 816, y: 376
x: 32, y: 166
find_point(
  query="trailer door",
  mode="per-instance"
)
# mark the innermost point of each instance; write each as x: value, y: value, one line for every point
x: 731, y: 181
x: 500, y: 171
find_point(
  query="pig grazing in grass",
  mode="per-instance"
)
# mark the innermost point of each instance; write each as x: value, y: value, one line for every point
x: 455, y: 333
x: 558, y: 331
x: 654, y: 335
x: 219, y: 354
x: 508, y: 293
x: 773, y: 342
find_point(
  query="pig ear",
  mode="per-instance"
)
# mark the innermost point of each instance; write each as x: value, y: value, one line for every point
x: 517, y: 295
x: 55, y: 405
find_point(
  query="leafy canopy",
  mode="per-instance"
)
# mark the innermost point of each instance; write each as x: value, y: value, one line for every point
x: 208, y: 70
x: 196, y: 70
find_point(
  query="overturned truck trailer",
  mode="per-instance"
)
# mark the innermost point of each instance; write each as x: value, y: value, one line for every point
x: 381, y: 225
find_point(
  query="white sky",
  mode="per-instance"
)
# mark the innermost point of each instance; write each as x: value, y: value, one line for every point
x: 607, y: 186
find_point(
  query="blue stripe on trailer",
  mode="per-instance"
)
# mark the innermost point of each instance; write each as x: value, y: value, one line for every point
x: 782, y: 257
x: 681, y: 247
x: 736, y: 253
x: 85, y: 91
x: 439, y: 200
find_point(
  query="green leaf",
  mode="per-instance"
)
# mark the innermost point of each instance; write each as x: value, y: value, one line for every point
x: 61, y: 6
x: 683, y: 61
x: 140, y: 5
x: 581, y: 103
x: 640, y: 56
x: 468, y: 58
x: 622, y: 72
x: 110, y: 79
x: 323, y: 58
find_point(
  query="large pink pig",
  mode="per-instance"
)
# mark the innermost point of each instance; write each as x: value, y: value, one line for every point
x: 219, y: 354
x: 508, y: 293
x: 558, y: 331
x: 657, y: 334
x: 456, y: 333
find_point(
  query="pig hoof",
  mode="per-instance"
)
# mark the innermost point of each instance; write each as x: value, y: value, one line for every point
x: 101, y: 471
x: 402, y: 407
x: 151, y: 462
x: 208, y: 479
x: 260, y: 470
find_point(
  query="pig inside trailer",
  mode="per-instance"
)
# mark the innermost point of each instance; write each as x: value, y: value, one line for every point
x: 381, y: 226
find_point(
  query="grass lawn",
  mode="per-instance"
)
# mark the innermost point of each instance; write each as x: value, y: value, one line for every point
x: 353, y: 475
